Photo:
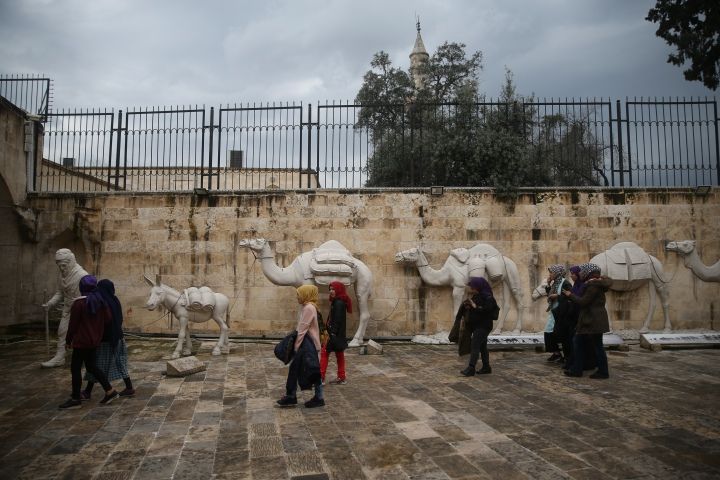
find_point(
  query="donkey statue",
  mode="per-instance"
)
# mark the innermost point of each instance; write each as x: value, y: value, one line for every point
x: 194, y: 305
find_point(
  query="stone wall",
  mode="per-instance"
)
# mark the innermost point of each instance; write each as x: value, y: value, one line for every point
x: 192, y: 240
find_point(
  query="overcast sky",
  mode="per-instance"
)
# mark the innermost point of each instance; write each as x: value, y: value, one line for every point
x: 120, y: 53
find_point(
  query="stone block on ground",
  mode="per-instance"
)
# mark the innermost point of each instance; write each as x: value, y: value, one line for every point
x: 656, y: 341
x: 182, y: 367
x: 371, y: 348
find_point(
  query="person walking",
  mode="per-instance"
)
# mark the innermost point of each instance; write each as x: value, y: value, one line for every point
x: 560, y: 334
x: 553, y: 332
x: 592, y: 322
x: 112, y: 355
x: 481, y: 309
x: 89, y: 316
x: 340, y: 304
x: 305, y: 365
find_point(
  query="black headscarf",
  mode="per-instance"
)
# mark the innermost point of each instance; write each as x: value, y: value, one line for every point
x: 106, y: 288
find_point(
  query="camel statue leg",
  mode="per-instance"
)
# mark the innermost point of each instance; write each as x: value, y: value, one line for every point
x: 188, y: 342
x: 183, y: 320
x: 512, y: 281
x: 222, y: 341
x: 651, y: 307
x: 662, y: 291
x: 363, y: 288
x: 504, y: 310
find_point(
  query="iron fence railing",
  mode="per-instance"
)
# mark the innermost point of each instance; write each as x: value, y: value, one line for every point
x: 32, y: 93
x: 642, y: 142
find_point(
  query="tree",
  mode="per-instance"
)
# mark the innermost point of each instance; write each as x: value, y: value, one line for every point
x: 447, y: 134
x: 693, y: 27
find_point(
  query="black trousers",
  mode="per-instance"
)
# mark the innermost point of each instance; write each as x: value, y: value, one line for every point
x: 85, y: 356
x: 478, y: 347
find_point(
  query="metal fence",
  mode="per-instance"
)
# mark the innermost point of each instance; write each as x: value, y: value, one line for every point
x: 239, y: 147
x: 32, y: 93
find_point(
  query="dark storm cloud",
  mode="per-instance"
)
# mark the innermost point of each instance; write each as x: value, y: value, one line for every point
x: 136, y: 53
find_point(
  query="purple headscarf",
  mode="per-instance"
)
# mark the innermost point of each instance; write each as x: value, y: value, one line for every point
x: 481, y: 285
x: 93, y: 299
x: 578, y: 287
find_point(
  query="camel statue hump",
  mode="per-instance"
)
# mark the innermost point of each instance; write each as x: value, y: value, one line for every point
x: 627, y: 261
x: 484, y: 249
x: 332, y: 262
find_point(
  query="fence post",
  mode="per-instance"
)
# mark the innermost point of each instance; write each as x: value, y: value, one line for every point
x: 117, y: 150
x: 717, y: 142
x: 620, y: 144
x: 210, y: 148
x: 309, y: 145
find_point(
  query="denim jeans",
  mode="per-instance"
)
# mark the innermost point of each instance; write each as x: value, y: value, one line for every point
x: 594, y: 341
x: 292, y: 382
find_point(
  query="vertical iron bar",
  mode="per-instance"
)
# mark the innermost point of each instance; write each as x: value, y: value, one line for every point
x: 210, y: 147
x: 309, y: 142
x: 717, y: 142
x: 628, y: 147
x: 620, y: 144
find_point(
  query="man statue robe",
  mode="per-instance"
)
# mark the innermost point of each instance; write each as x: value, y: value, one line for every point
x: 68, y: 291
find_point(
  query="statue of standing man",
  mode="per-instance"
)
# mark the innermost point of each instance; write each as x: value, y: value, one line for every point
x: 68, y: 291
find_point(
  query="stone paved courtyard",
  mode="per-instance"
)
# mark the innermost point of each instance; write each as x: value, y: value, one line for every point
x: 405, y: 414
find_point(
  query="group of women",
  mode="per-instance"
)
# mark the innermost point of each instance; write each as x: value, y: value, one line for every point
x: 96, y: 337
x: 315, y: 340
x: 577, y: 319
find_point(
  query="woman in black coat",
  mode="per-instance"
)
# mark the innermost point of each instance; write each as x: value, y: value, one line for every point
x: 481, y: 309
x: 593, y: 321
x: 340, y: 304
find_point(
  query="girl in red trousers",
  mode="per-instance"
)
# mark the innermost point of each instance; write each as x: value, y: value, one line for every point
x: 340, y: 303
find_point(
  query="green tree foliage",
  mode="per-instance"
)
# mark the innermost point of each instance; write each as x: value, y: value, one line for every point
x: 693, y: 28
x: 448, y: 134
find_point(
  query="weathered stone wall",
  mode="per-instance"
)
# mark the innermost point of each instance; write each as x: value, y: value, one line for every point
x: 193, y: 241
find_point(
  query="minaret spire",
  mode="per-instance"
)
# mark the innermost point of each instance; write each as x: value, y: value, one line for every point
x: 418, y: 57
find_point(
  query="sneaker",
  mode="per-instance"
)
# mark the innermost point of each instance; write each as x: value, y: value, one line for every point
x: 339, y: 381
x: 484, y: 370
x: 315, y: 402
x: 599, y: 375
x: 468, y: 372
x: 109, y: 397
x: 71, y: 404
x: 128, y: 392
x: 286, y: 401
x: 84, y: 396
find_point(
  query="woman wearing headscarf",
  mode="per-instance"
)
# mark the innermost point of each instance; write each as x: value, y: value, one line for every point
x: 89, y: 317
x: 554, y: 333
x: 340, y: 304
x: 592, y: 322
x: 112, y: 356
x: 481, y: 309
x: 307, y: 350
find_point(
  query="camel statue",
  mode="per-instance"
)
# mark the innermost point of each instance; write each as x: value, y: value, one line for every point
x: 194, y: 305
x: 329, y: 262
x: 482, y: 260
x: 691, y: 259
x: 630, y: 267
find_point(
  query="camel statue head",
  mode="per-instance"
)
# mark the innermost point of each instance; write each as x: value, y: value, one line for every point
x: 408, y: 256
x: 683, y: 247
x: 254, y: 244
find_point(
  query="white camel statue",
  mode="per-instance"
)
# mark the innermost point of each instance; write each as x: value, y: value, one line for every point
x: 215, y: 306
x: 330, y: 262
x: 691, y: 259
x: 630, y: 267
x: 482, y: 260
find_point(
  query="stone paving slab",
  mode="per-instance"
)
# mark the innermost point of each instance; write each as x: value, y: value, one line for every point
x: 406, y: 414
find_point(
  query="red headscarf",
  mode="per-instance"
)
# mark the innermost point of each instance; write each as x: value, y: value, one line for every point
x: 342, y: 295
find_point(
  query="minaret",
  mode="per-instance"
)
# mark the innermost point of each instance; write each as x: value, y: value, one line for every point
x: 418, y: 57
